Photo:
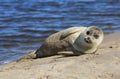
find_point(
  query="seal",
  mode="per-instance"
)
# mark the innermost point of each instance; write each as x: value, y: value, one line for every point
x: 79, y: 40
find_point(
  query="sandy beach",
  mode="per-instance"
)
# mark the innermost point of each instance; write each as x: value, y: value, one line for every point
x: 104, y: 64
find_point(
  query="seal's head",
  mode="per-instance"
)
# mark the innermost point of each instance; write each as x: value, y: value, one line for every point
x: 93, y: 35
x: 89, y: 39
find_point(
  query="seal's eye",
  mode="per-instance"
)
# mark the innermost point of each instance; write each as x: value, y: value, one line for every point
x: 96, y: 36
x: 88, y: 32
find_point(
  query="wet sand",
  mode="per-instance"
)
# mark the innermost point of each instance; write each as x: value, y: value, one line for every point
x: 105, y: 64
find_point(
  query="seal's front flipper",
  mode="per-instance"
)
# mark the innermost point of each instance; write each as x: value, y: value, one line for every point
x: 65, y: 53
x: 71, y: 31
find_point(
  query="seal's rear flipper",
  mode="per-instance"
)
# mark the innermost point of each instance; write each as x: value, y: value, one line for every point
x: 30, y: 55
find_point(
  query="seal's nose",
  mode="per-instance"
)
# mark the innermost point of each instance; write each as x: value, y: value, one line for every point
x: 88, y: 40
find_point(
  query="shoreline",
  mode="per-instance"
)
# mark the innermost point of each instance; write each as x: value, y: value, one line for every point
x: 102, y: 65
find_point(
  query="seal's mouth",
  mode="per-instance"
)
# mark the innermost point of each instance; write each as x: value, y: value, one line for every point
x: 88, y: 40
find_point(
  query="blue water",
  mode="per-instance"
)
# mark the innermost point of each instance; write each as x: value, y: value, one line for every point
x: 24, y: 24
